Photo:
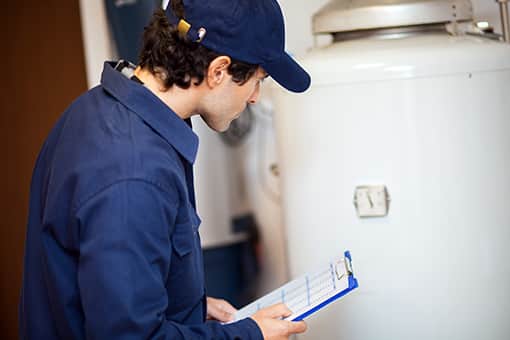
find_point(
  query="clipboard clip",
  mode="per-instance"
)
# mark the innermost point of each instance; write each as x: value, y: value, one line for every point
x: 348, y: 268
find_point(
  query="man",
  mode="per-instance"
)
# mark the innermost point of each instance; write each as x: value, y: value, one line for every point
x: 112, y: 248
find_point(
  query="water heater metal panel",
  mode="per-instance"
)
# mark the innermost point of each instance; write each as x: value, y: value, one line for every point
x: 355, y: 15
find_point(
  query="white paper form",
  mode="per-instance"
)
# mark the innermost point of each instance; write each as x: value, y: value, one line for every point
x: 308, y: 294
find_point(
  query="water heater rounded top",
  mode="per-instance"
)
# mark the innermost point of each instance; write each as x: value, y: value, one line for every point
x: 355, y: 15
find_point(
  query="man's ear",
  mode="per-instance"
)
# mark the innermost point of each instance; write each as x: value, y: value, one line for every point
x: 218, y: 71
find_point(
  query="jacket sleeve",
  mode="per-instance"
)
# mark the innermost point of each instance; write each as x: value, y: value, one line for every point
x: 125, y: 254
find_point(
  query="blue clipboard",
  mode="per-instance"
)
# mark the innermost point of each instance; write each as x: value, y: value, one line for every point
x: 310, y: 293
x: 353, y: 284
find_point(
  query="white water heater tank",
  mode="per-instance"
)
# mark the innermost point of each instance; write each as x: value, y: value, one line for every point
x: 404, y: 114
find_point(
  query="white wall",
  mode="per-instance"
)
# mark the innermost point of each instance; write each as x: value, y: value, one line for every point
x: 487, y: 10
x: 97, y: 40
x: 298, y: 21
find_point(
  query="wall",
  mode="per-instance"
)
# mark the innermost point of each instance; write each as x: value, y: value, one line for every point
x: 43, y: 72
x: 487, y: 10
x: 97, y: 40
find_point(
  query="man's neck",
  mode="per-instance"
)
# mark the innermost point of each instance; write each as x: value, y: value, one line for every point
x: 183, y: 102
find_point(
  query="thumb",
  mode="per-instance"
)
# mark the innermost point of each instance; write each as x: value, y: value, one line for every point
x: 296, y: 327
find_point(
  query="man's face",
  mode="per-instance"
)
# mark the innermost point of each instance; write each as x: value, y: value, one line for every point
x: 227, y: 101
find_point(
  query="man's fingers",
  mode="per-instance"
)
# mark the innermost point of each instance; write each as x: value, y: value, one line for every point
x: 277, y: 311
x: 227, y: 307
x: 220, y: 310
x: 224, y: 316
x: 296, y: 327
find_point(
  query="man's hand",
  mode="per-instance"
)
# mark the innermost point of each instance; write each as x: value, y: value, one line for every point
x: 271, y: 325
x: 219, y: 310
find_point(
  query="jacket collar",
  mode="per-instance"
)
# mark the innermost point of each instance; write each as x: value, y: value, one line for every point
x: 152, y: 111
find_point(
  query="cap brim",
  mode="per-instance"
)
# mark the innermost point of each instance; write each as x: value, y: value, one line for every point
x: 288, y: 73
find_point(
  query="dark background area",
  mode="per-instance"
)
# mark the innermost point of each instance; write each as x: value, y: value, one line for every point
x: 43, y: 70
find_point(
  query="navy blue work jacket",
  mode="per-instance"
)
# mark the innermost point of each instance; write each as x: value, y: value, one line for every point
x: 112, y: 248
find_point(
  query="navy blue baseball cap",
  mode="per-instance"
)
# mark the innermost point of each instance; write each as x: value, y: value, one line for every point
x: 251, y: 31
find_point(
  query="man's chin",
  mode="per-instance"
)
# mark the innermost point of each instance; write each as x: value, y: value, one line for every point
x: 219, y: 127
x: 223, y: 128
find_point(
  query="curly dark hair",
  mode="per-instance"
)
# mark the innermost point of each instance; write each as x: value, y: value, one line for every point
x: 178, y: 61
